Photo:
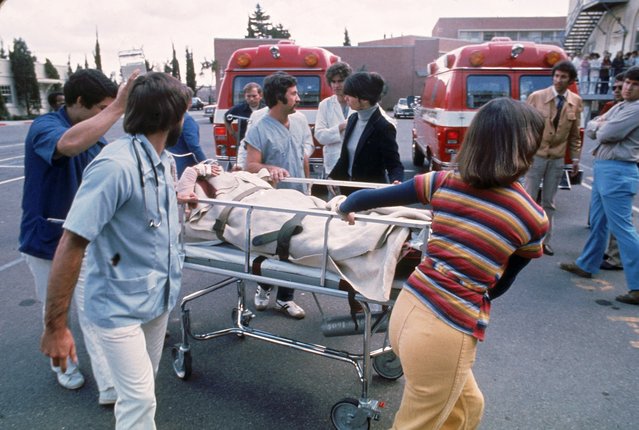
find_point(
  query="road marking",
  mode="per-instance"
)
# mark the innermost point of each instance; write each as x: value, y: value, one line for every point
x: 11, y: 167
x: 12, y: 145
x: 11, y: 180
x: 11, y: 158
x: 11, y: 264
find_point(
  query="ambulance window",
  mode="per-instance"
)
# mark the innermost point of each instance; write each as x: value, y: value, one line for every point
x: 481, y: 89
x: 530, y: 83
x: 308, y: 88
x: 238, y: 86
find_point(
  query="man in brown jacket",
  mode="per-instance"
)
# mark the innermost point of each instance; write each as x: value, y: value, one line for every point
x: 561, y: 109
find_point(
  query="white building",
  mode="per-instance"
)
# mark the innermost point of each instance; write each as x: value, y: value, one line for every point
x: 8, y: 89
x: 602, y: 25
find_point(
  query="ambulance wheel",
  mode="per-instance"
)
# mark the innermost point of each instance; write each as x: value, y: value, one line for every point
x: 418, y: 156
x: 345, y: 415
x: 388, y: 366
x: 182, y: 363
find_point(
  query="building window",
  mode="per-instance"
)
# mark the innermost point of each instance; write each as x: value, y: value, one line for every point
x: 5, y: 90
x: 473, y: 36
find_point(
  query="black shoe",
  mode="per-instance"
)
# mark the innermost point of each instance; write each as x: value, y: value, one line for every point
x: 607, y: 266
x: 548, y: 250
x: 632, y: 297
x: 573, y: 268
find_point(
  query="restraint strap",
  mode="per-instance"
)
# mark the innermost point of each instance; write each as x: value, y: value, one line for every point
x: 283, y: 236
x: 220, y: 222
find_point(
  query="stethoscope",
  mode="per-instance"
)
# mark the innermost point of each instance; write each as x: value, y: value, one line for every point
x: 152, y: 222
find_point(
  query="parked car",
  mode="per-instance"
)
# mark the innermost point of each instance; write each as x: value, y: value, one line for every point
x: 197, y: 103
x: 209, y: 112
x: 402, y: 110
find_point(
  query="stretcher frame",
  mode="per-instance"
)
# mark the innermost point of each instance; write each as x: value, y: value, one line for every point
x: 348, y: 413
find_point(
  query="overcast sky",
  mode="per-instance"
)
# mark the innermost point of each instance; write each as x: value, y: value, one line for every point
x: 56, y: 29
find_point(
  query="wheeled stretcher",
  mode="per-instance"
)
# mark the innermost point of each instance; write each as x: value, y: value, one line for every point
x: 239, y: 264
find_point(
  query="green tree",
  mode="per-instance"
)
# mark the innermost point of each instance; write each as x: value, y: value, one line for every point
x: 69, y: 69
x: 86, y: 62
x: 167, y: 68
x: 3, y: 54
x: 24, y: 76
x: 148, y: 66
x: 259, y: 26
x: 347, y: 39
x: 52, y: 73
x: 4, y: 113
x: 190, y: 71
x: 96, y: 54
x: 175, y: 66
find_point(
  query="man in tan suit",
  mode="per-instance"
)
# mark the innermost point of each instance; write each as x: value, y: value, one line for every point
x: 561, y: 109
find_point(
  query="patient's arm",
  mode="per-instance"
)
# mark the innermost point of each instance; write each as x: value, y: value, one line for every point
x: 186, y: 184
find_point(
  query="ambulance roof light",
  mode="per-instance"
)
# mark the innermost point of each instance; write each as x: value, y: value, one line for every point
x: 275, y: 52
x: 311, y: 60
x: 517, y: 49
x: 552, y: 57
x: 476, y: 58
x: 243, y: 60
x: 450, y: 60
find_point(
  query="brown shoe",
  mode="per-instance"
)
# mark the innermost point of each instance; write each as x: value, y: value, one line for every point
x: 548, y: 250
x: 632, y: 297
x: 573, y: 268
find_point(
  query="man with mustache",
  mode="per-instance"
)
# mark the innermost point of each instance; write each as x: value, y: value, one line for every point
x: 276, y: 142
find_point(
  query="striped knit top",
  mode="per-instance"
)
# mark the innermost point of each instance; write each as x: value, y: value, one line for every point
x: 474, y: 232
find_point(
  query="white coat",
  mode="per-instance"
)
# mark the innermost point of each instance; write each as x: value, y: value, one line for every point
x: 329, y: 116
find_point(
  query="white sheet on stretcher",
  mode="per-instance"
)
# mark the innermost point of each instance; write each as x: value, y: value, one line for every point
x: 365, y: 255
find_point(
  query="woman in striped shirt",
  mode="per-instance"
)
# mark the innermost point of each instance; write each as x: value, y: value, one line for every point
x: 485, y: 229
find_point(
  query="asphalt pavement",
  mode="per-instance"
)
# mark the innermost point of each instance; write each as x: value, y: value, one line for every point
x: 560, y: 353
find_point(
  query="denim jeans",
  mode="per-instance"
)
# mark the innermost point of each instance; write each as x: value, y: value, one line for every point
x: 613, y: 189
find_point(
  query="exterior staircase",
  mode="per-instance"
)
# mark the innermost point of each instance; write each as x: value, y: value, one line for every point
x: 582, y: 21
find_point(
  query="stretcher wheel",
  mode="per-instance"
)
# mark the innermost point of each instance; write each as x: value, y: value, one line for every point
x: 182, y: 363
x: 346, y: 415
x: 388, y: 366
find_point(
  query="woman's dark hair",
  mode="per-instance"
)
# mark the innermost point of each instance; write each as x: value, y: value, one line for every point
x: 275, y: 87
x: 91, y: 85
x: 157, y: 102
x: 365, y: 86
x: 341, y: 69
x: 500, y: 143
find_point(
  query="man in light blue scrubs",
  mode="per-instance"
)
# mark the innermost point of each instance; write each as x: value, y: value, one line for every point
x: 125, y: 216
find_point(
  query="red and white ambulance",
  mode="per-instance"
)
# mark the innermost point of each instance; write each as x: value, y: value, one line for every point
x: 307, y: 64
x: 463, y: 80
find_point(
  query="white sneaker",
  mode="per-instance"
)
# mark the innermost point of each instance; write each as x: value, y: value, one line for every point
x: 290, y: 308
x: 72, y: 379
x: 108, y: 397
x: 262, y: 297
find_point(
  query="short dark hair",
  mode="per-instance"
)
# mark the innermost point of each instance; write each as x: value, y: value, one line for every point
x: 632, y: 73
x: 275, y: 87
x: 157, y: 102
x: 567, y: 67
x: 365, y: 86
x: 341, y: 69
x: 250, y: 86
x: 619, y: 77
x: 500, y: 143
x: 52, y: 98
x: 91, y: 85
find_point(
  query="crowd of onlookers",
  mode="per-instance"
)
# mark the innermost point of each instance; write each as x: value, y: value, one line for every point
x: 595, y: 72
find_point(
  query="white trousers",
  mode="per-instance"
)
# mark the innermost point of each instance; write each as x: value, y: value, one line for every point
x: 40, y: 268
x: 133, y: 354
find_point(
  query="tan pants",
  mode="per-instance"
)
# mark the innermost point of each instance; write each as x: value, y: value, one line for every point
x: 440, y: 390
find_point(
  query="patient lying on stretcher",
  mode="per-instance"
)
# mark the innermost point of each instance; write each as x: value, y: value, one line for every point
x: 365, y: 255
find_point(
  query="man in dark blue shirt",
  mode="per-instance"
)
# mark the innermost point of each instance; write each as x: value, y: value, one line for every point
x: 58, y: 147
x: 187, y: 151
x: 242, y: 111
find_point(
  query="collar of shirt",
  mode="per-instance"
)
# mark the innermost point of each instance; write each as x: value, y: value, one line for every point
x: 365, y: 114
